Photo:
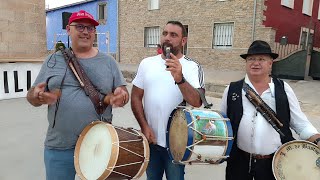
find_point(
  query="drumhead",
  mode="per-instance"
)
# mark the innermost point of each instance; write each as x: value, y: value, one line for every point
x: 297, y: 160
x: 94, y: 148
x: 177, y: 138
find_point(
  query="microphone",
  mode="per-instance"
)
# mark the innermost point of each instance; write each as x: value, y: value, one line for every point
x: 168, y: 50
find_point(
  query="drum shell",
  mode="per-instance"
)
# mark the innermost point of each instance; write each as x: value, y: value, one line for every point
x: 129, y: 153
x: 126, y: 157
x: 218, y: 143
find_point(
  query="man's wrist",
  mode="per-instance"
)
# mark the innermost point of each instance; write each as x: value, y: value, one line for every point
x: 107, y: 99
x: 183, y: 80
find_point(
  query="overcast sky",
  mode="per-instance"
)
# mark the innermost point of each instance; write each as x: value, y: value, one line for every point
x: 57, y: 3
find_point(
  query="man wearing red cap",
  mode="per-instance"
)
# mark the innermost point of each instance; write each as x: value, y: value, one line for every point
x: 70, y: 108
x: 261, y: 126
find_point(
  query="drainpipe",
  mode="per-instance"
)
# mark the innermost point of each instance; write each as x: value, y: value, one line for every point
x: 118, y: 36
x: 254, y: 19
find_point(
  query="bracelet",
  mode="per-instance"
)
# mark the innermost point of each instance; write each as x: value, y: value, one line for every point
x: 316, y: 141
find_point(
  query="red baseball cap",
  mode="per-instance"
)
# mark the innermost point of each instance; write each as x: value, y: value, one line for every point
x: 82, y: 14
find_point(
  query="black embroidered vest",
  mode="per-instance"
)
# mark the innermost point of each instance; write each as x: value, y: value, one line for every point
x: 235, y: 109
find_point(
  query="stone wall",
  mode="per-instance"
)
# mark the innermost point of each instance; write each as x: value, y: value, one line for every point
x: 200, y: 17
x: 22, y: 29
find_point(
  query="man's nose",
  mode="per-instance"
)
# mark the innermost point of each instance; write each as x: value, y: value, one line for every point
x: 85, y: 30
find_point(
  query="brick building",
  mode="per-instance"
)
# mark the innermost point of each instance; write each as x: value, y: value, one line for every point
x: 218, y: 30
x: 22, y: 29
x: 230, y: 21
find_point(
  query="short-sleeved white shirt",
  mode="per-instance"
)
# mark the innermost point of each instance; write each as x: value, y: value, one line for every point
x: 161, y: 94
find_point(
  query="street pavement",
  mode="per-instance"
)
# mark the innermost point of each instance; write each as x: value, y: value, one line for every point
x: 23, y: 127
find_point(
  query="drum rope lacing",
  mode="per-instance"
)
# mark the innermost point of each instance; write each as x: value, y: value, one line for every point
x: 127, y: 131
x: 133, y: 163
x: 204, y: 137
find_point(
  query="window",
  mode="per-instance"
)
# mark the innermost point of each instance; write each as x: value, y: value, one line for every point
x: 306, y: 37
x: 153, y: 4
x: 288, y: 3
x: 151, y: 36
x: 223, y: 35
x: 307, y: 7
x: 102, y: 13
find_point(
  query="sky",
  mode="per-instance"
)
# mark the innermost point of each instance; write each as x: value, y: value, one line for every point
x: 57, y: 3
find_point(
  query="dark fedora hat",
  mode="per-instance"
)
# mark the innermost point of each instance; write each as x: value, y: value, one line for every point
x: 259, y: 47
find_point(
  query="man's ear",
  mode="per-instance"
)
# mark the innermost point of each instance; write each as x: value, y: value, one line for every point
x: 68, y: 29
x: 184, y: 40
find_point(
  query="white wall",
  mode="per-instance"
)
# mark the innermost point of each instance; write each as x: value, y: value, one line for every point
x: 11, y: 87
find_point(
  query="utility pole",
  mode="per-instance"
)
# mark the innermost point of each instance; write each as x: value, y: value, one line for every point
x: 309, y: 51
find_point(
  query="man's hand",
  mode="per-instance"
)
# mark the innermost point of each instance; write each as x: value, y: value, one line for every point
x: 118, y: 98
x: 174, y: 67
x: 315, y: 138
x: 148, y: 132
x: 38, y: 96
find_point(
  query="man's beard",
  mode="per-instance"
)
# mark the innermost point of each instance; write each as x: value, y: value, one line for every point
x: 173, y: 50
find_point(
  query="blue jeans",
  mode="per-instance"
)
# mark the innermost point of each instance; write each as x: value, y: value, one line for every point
x: 59, y: 164
x: 160, y: 163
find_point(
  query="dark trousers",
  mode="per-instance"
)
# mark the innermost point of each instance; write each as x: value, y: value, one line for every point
x: 160, y: 163
x: 238, y: 168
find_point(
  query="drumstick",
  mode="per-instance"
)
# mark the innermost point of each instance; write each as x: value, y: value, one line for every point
x: 76, y: 74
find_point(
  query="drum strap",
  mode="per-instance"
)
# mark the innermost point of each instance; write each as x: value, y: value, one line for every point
x: 204, y: 100
x: 262, y: 108
x: 84, y: 80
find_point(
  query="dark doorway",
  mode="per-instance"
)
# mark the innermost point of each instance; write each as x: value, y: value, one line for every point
x: 185, y: 47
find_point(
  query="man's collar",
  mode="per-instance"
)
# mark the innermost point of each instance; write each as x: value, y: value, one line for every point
x: 271, y: 85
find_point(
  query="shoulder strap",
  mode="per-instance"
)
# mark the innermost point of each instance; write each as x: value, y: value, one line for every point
x: 83, y: 79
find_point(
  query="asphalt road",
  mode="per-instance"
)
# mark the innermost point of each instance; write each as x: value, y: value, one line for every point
x: 23, y: 128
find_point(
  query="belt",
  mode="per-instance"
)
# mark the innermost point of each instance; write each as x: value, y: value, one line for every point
x: 256, y: 156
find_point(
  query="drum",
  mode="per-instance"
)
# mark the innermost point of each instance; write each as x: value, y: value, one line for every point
x: 198, y: 136
x: 297, y: 160
x: 105, y: 151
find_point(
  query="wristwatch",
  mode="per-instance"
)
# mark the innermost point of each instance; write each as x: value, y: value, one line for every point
x: 316, y: 141
x: 183, y: 80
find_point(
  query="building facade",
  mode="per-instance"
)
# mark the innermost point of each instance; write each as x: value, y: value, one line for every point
x: 295, y: 20
x: 218, y: 30
x: 104, y: 11
x: 22, y: 45
x: 22, y: 29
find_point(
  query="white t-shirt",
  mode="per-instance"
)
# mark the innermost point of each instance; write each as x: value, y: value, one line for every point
x: 161, y: 94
